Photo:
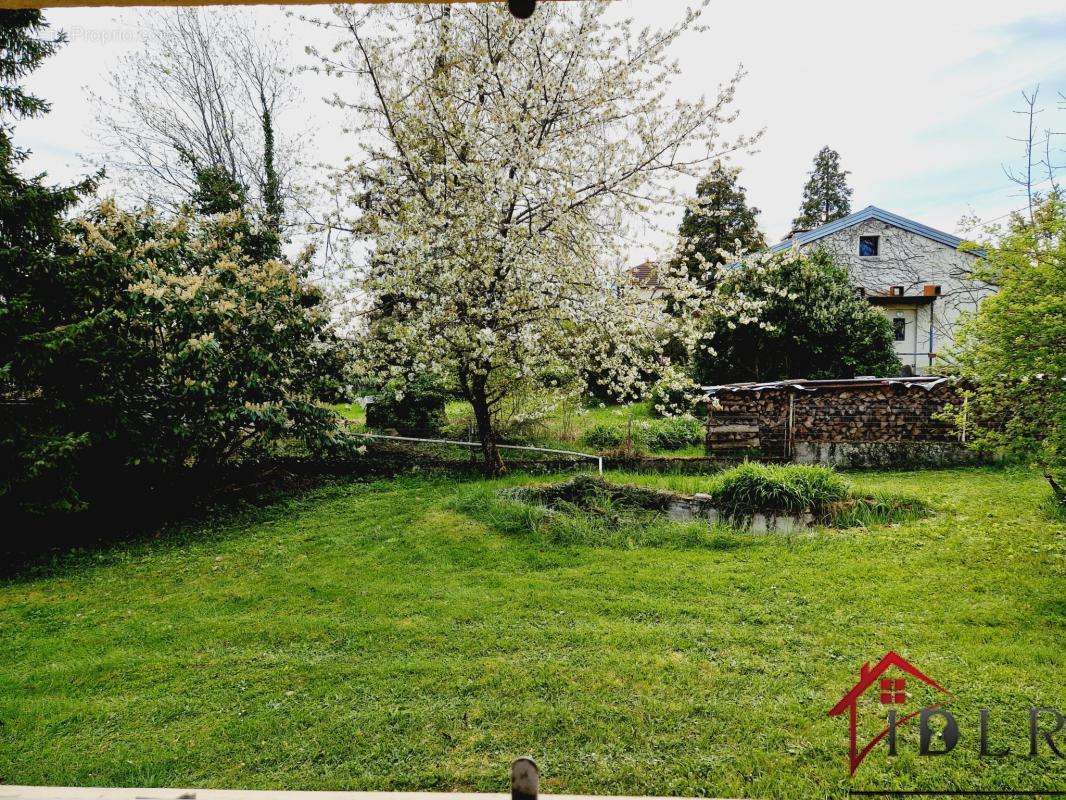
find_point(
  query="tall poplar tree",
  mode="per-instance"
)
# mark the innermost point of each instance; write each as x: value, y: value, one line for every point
x: 826, y: 196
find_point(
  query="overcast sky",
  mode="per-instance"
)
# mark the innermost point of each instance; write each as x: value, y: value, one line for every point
x: 918, y: 97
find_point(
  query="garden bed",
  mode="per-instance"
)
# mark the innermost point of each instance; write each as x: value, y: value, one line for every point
x: 751, y: 497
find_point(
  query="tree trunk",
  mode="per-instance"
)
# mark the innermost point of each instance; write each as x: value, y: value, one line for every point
x: 1056, y: 488
x: 485, y: 432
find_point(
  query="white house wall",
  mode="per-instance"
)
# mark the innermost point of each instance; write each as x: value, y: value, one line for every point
x: 911, y: 261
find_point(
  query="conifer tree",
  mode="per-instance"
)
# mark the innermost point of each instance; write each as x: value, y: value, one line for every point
x: 33, y: 296
x: 719, y: 219
x: 826, y: 196
x: 31, y: 212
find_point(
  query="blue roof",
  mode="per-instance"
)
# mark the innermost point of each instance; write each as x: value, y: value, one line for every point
x: 870, y: 212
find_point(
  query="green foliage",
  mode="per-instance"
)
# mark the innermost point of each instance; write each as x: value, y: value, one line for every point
x: 675, y: 394
x: 800, y: 489
x: 166, y: 349
x: 826, y: 196
x: 719, y: 219
x: 22, y: 49
x: 812, y: 325
x: 605, y: 436
x: 792, y: 489
x: 35, y: 450
x: 219, y: 192
x: 588, y: 491
x: 273, y: 206
x: 418, y: 411
x: 878, y: 508
x: 1014, y: 349
x: 597, y: 520
x: 737, y: 493
x: 675, y: 433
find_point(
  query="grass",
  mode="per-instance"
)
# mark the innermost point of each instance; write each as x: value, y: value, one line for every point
x: 605, y: 524
x: 379, y: 636
x: 617, y: 513
x: 564, y: 431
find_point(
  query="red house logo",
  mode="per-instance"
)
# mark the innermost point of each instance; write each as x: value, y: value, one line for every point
x: 892, y: 692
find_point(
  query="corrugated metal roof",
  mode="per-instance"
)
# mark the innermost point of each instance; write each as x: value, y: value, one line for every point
x: 926, y: 382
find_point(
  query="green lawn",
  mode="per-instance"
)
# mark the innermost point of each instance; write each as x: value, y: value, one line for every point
x: 375, y: 637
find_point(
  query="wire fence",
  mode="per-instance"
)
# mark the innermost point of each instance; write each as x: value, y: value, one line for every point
x: 597, y: 458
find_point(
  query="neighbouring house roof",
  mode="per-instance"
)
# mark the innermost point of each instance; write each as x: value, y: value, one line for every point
x: 868, y: 213
x: 645, y: 275
x: 926, y: 382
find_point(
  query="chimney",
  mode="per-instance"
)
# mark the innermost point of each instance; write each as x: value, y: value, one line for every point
x: 895, y: 291
x: 931, y: 290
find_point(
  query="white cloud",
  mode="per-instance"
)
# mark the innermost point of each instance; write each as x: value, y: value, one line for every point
x: 916, y: 96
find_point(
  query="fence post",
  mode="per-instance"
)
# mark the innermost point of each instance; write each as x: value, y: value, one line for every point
x: 525, y: 779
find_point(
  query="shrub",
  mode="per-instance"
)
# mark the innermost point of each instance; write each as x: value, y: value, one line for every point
x: 165, y: 349
x: 1012, y: 349
x: 792, y: 489
x: 604, y: 436
x: 418, y: 411
x: 676, y: 433
x: 812, y: 324
x: 675, y: 394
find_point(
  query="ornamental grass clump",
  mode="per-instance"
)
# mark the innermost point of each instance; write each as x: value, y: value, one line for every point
x: 759, y: 488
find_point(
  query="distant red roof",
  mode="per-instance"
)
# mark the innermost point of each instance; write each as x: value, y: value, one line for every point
x: 645, y: 275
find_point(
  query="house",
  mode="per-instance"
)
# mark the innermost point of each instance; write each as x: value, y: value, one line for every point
x: 645, y: 277
x: 916, y: 275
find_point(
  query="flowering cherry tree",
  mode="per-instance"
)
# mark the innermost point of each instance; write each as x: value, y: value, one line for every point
x: 503, y: 165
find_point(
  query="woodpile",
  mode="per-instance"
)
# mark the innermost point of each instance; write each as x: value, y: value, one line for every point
x: 771, y: 419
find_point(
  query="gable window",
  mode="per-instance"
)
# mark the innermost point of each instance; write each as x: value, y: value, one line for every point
x: 869, y: 245
x: 899, y: 329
